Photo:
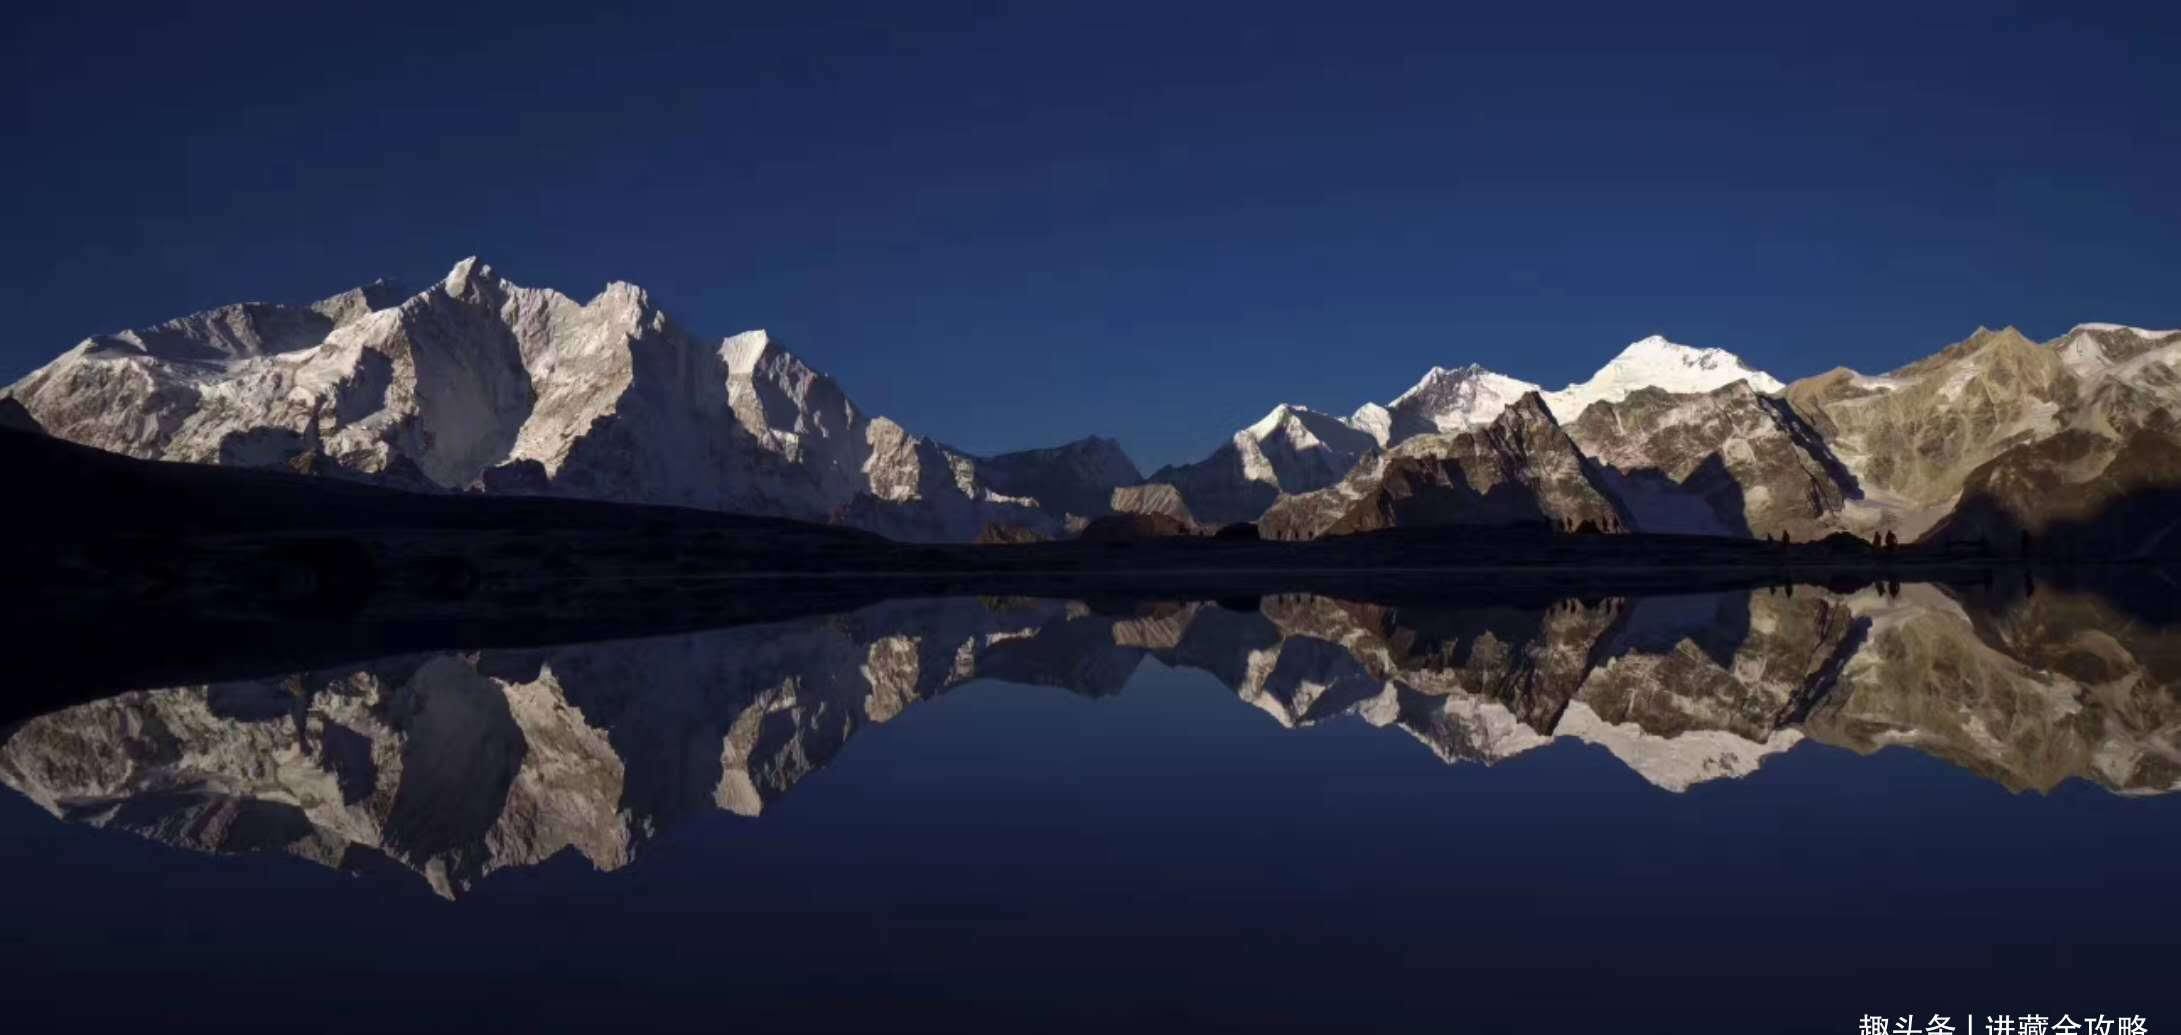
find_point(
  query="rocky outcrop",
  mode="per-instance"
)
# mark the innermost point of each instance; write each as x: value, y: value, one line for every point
x: 1153, y: 498
x: 1296, y: 453
x: 1911, y: 437
x: 1725, y: 462
x: 1293, y: 449
x: 1521, y: 469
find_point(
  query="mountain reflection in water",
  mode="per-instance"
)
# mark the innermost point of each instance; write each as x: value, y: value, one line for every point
x: 455, y: 765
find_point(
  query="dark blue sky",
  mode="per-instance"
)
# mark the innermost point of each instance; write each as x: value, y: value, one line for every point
x: 1008, y: 226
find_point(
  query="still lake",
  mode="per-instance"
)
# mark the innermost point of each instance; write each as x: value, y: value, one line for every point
x: 1749, y: 811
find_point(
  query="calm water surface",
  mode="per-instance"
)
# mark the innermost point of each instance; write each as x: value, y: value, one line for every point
x: 1748, y: 811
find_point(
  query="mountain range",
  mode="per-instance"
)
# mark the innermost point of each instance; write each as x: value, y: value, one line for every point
x: 476, y: 384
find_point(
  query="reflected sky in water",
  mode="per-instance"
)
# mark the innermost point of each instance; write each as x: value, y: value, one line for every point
x: 1791, y: 809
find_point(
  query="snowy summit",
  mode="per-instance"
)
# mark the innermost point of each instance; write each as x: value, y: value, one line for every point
x: 1655, y: 362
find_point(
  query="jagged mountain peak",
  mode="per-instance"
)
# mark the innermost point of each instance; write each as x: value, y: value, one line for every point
x: 743, y: 352
x: 1984, y: 345
x: 477, y: 281
x: 1444, y: 399
x: 1452, y: 398
x: 380, y: 293
x: 1292, y: 429
x: 1438, y: 376
x: 1529, y: 406
x: 1983, y: 338
x: 622, y: 292
x: 480, y: 383
x: 1374, y: 420
x: 1730, y: 461
x: 468, y: 272
x: 1293, y: 448
x: 1286, y: 414
x: 1521, y: 468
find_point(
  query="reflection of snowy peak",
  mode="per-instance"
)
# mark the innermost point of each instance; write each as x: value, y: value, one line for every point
x: 455, y: 765
x: 477, y: 382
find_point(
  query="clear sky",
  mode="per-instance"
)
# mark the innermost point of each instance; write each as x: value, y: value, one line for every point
x: 1011, y: 225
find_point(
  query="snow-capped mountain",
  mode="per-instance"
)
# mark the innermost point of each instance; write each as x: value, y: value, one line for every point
x: 480, y: 383
x: 1445, y: 400
x: 1516, y: 469
x: 1469, y: 396
x: 1655, y: 362
x: 1242, y: 479
x: 1519, y: 469
x: 1292, y: 449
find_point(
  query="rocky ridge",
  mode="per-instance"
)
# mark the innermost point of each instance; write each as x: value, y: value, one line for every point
x: 1443, y: 404
x: 1520, y: 469
x: 1729, y: 461
x: 479, y: 383
x: 1916, y: 438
